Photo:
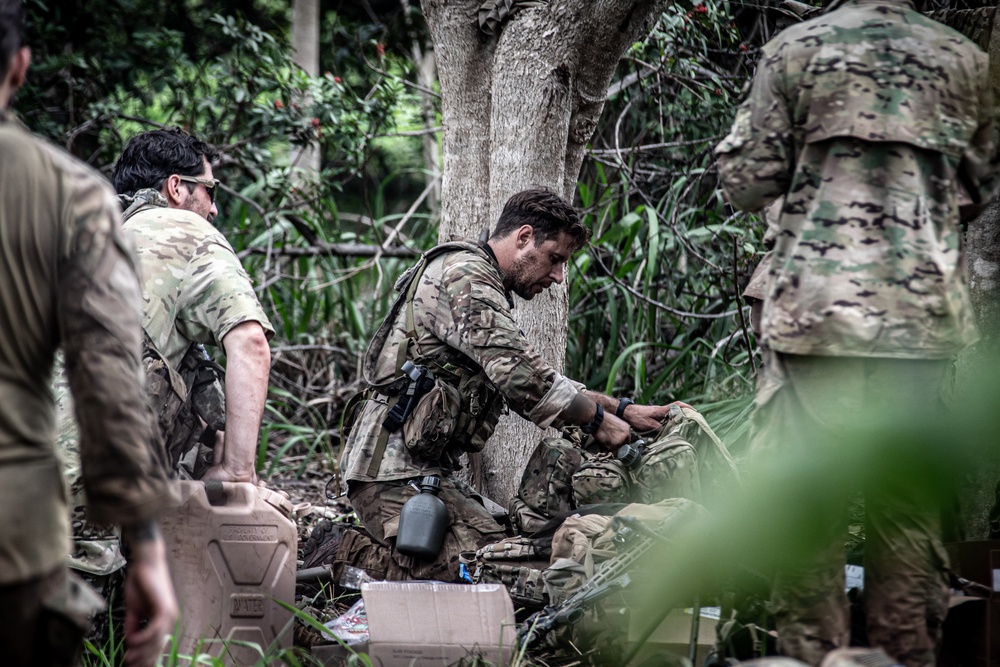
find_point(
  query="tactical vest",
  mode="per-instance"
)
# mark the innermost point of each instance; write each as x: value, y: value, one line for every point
x: 462, y: 409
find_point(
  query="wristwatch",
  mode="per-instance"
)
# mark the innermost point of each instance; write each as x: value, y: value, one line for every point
x: 591, y: 428
x: 623, y: 403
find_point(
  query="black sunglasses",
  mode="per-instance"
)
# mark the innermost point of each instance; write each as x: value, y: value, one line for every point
x: 210, y: 184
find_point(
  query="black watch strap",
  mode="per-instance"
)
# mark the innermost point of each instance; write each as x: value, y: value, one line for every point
x: 591, y: 428
x: 623, y: 403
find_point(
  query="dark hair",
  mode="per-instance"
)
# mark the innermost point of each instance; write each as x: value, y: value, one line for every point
x: 11, y: 32
x: 546, y: 212
x: 150, y: 158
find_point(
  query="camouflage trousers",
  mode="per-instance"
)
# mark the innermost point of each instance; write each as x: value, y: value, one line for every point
x: 906, y: 588
x: 378, y: 505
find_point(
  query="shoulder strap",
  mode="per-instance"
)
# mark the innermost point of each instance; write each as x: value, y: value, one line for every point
x: 176, y: 381
x: 720, y: 447
x: 407, y: 286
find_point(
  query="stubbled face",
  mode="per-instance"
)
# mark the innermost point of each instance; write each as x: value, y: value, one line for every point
x: 536, y: 267
x: 198, y: 200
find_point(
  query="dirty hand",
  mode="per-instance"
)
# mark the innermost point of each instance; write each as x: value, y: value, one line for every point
x: 220, y: 473
x: 613, y: 433
x: 645, y: 418
x: 149, y: 598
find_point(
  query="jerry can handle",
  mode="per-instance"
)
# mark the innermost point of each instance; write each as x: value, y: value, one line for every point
x: 216, y: 493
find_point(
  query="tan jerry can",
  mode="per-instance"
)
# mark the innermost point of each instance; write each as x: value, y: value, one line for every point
x: 232, y: 550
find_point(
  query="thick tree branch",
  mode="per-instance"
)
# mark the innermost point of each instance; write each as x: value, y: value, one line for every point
x: 332, y: 249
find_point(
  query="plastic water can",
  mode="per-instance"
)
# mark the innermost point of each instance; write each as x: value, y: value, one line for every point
x: 232, y: 550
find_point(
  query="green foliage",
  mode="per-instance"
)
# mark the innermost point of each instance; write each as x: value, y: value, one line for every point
x: 654, y: 300
x: 655, y: 306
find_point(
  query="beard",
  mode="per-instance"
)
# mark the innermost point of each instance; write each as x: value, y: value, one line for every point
x: 520, y: 281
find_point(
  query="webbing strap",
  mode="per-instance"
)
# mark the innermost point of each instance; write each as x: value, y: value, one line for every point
x: 383, y: 440
x: 402, y: 349
x: 720, y: 447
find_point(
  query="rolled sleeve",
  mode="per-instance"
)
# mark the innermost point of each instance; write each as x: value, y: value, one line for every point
x: 549, y: 410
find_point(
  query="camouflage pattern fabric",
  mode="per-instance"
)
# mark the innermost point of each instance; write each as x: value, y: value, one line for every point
x: 378, y: 505
x: 601, y: 479
x: 872, y: 120
x: 868, y: 118
x: 463, y: 326
x: 67, y: 279
x: 668, y: 469
x: 547, y: 481
x: 516, y: 562
x: 906, y: 589
x: 194, y: 288
x: 523, y: 519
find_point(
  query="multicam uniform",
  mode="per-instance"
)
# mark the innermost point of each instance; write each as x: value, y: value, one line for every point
x: 868, y: 119
x: 67, y: 279
x: 464, y: 332
x: 194, y: 288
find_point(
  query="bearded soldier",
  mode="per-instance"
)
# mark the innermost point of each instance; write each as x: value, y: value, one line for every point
x: 453, y: 322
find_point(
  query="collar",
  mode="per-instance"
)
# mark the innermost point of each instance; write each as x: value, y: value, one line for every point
x: 493, y: 260
x: 142, y: 200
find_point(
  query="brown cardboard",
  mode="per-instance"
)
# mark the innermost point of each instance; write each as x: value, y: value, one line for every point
x: 336, y: 655
x: 423, y: 624
x: 674, y: 634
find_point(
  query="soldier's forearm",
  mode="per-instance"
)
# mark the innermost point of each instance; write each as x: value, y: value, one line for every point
x: 248, y: 365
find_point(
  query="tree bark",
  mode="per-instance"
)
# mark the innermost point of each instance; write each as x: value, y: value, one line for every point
x: 305, y: 54
x: 518, y: 111
x: 983, y: 259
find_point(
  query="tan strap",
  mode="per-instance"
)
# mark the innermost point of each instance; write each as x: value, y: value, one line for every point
x: 402, y: 350
x: 720, y: 447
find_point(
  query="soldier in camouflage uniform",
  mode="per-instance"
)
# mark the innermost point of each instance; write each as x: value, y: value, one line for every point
x: 454, y: 317
x: 195, y: 291
x: 870, y: 119
x: 68, y: 279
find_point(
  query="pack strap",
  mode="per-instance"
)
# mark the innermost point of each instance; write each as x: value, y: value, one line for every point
x: 720, y: 447
x: 402, y: 350
x: 173, y: 377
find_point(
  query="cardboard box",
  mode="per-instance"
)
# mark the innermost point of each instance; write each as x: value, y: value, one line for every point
x: 674, y: 633
x: 423, y: 624
x: 336, y: 655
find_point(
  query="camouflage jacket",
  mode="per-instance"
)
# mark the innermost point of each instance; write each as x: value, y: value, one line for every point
x: 194, y: 288
x: 461, y: 319
x: 67, y: 279
x: 868, y: 119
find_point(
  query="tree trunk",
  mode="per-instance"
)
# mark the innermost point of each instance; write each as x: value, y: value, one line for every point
x: 518, y: 111
x: 983, y: 259
x: 305, y: 54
